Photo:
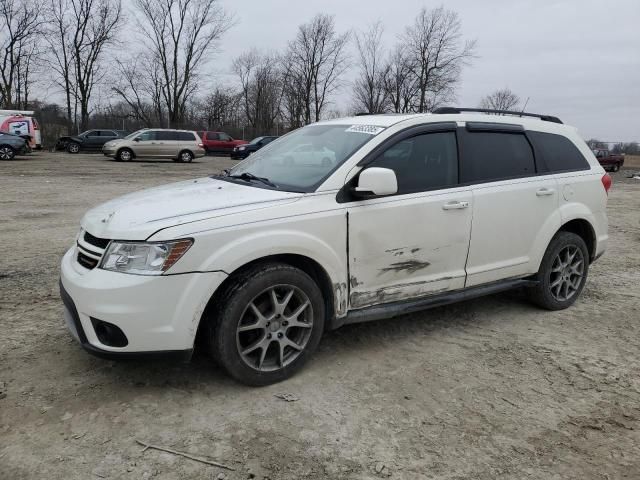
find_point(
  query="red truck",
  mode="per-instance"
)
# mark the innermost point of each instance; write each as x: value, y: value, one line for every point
x: 219, y: 142
x: 608, y: 160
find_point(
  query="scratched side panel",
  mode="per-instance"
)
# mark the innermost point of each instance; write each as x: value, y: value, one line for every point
x: 407, y: 246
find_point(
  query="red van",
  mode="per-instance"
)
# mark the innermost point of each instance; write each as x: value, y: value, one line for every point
x: 219, y: 142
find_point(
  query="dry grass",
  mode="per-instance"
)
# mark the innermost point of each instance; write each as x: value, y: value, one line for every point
x: 632, y: 161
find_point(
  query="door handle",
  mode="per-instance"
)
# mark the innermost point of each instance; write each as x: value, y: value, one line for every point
x: 543, y: 192
x: 455, y: 205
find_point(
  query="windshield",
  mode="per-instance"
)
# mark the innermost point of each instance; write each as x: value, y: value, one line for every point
x: 255, y: 140
x: 303, y: 159
x: 131, y: 135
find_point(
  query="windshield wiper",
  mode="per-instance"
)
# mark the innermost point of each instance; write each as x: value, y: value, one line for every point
x: 250, y: 176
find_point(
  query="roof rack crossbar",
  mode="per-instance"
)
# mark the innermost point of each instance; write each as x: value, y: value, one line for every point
x: 546, y: 118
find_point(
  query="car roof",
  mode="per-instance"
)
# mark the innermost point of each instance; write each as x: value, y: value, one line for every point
x: 388, y: 120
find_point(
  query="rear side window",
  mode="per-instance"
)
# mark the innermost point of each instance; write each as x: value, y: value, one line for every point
x: 165, y: 135
x: 492, y: 156
x: 425, y: 162
x: 186, y: 136
x: 212, y: 136
x: 557, y: 153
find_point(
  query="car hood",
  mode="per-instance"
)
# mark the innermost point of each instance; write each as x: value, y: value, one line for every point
x: 139, y: 215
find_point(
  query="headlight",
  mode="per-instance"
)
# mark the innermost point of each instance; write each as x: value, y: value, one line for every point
x: 144, y: 258
x: 241, y: 148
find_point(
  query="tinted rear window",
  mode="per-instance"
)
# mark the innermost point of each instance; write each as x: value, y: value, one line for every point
x: 165, y: 135
x: 557, y: 153
x: 186, y: 136
x: 491, y: 156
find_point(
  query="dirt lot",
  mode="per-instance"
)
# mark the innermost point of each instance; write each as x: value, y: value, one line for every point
x: 491, y: 388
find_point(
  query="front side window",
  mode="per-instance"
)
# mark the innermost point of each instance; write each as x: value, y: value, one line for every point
x: 147, y: 135
x: 212, y: 136
x: 425, y: 162
x: 225, y: 138
x: 304, y: 158
x: 493, y: 156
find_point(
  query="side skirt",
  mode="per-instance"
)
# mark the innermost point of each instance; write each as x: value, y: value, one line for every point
x: 394, y: 309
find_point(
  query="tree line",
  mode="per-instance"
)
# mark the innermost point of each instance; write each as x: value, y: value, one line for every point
x: 147, y: 63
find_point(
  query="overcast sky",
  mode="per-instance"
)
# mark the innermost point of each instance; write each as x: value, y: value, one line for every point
x: 577, y: 59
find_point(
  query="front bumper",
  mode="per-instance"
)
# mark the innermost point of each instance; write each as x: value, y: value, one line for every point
x: 157, y: 314
x: 109, y: 152
x: 239, y: 155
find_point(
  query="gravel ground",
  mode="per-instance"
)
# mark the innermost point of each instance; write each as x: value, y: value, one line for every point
x: 490, y: 388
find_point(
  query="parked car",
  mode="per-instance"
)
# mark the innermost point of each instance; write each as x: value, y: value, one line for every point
x: 179, y: 145
x: 219, y: 142
x: 259, y: 261
x: 309, y: 154
x: 243, y: 151
x: 608, y: 160
x: 91, y: 140
x: 24, y: 124
x: 12, y: 145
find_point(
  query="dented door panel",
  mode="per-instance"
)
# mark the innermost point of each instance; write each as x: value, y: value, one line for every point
x: 407, y: 246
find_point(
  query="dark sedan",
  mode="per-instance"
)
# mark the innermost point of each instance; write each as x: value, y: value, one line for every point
x: 91, y: 140
x: 243, y: 151
x: 11, y: 145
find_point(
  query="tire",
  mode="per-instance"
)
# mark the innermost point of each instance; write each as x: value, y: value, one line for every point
x: 615, y: 168
x: 73, y: 147
x: 7, y: 152
x: 124, y: 155
x: 185, y: 156
x: 252, y: 335
x: 563, y: 272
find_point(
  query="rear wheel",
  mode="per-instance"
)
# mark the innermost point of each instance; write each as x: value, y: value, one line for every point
x: 615, y: 168
x: 266, y: 324
x: 73, y: 147
x: 7, y: 153
x: 563, y: 272
x: 185, y: 156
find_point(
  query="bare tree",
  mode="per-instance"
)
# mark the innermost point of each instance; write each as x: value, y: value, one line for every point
x: 503, y: 99
x: 369, y: 88
x: 180, y: 36
x: 436, y: 53
x: 317, y: 58
x: 20, y: 27
x: 221, y: 107
x: 261, y: 84
x: 399, y: 82
x: 95, y: 24
x: 293, y: 106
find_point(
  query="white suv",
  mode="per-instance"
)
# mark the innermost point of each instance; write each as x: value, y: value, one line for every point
x: 413, y: 211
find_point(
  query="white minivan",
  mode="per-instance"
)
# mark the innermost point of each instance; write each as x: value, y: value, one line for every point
x: 413, y: 211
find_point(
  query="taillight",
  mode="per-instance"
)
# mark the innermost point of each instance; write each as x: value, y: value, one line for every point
x: 201, y: 145
x: 606, y: 182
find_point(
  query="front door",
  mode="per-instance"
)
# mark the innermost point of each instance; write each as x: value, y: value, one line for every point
x: 414, y: 243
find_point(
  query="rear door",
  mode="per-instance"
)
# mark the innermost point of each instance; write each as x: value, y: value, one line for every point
x: 514, y: 208
x: 414, y: 243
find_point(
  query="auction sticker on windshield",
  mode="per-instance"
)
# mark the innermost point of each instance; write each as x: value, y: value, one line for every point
x: 370, y: 129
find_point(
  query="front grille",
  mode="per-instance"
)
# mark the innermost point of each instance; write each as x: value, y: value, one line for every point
x: 87, y: 262
x: 98, y: 242
x: 90, y: 250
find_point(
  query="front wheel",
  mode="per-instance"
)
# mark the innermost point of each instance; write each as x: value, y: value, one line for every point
x: 563, y: 272
x: 266, y: 324
x: 124, y: 155
x: 73, y: 147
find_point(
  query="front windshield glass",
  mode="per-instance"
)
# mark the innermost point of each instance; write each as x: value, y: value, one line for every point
x: 255, y: 140
x: 301, y: 160
x: 131, y: 135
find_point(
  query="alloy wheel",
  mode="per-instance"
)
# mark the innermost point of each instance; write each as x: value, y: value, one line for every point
x: 567, y: 272
x: 6, y: 153
x: 274, y: 328
x: 74, y: 148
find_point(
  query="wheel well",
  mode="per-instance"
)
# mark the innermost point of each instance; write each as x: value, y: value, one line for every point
x: 583, y: 229
x: 306, y: 264
x: 185, y: 150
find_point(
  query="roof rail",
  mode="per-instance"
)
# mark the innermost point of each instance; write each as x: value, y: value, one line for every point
x: 546, y: 118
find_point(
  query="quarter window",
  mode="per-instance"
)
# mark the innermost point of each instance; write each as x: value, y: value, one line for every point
x: 491, y: 156
x: 558, y: 153
x: 425, y: 162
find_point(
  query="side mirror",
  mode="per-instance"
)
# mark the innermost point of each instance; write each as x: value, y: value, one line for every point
x: 376, y: 181
x: 137, y: 139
